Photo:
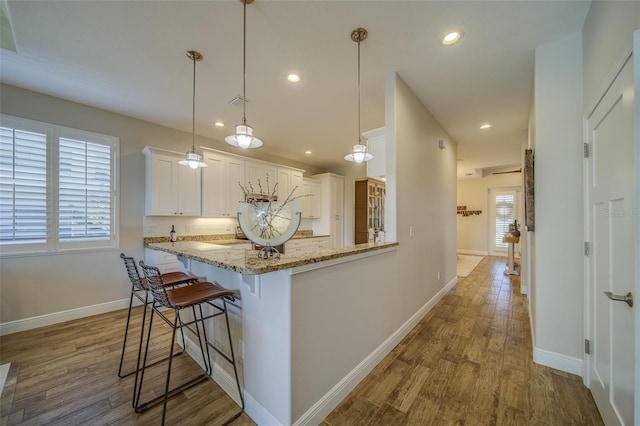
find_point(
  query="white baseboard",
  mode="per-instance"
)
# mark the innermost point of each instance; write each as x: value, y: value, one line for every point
x: 331, y: 399
x: 227, y: 382
x: 558, y: 361
x: 473, y: 252
x: 219, y: 374
x: 258, y: 413
x: 58, y: 317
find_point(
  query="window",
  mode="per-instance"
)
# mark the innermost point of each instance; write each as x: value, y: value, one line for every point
x: 57, y: 188
x: 503, y: 215
x: 505, y: 204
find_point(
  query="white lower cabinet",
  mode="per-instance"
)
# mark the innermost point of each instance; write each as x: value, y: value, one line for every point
x: 165, y: 262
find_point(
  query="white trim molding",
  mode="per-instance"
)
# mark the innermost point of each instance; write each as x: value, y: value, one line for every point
x: 58, y: 317
x: 331, y: 399
x: 558, y: 361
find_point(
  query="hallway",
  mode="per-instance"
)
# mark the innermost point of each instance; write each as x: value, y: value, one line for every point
x: 469, y: 362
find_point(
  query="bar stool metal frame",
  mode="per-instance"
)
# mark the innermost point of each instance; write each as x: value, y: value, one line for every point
x: 178, y: 299
x: 138, y: 289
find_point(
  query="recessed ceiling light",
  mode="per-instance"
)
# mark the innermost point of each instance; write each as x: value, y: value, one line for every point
x: 452, y: 38
x: 485, y: 126
x: 218, y: 124
x: 307, y: 152
x: 293, y: 78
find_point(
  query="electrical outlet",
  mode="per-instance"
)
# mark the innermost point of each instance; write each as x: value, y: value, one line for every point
x: 438, y: 276
x: 410, y: 231
x: 187, y: 228
x: 241, y: 349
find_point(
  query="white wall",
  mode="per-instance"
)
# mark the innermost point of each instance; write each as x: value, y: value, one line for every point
x: 606, y: 33
x: 557, y: 293
x: 39, y: 285
x: 474, y: 232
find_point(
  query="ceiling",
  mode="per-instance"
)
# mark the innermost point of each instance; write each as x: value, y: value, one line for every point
x: 130, y: 57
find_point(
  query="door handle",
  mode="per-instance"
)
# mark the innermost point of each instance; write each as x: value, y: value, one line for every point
x: 628, y: 298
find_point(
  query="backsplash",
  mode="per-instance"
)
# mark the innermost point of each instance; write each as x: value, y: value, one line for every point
x: 159, y: 226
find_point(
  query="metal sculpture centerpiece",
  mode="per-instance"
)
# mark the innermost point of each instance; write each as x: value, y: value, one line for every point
x: 266, y: 221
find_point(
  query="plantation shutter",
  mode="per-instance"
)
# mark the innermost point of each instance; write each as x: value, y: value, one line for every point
x: 505, y: 212
x: 84, y: 191
x: 23, y: 186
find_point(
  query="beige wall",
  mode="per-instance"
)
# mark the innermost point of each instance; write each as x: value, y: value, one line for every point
x: 421, y: 185
x: 474, y: 231
x: 38, y: 285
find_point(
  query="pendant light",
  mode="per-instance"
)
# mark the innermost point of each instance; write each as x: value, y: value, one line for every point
x: 193, y: 159
x: 359, y: 153
x: 243, y: 138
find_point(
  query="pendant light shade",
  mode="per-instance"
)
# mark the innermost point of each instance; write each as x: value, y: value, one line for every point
x: 193, y: 159
x: 359, y: 153
x: 243, y: 137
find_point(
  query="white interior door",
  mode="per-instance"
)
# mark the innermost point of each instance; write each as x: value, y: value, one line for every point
x: 611, y: 221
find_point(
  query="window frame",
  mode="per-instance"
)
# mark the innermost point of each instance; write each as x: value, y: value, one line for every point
x: 53, y: 245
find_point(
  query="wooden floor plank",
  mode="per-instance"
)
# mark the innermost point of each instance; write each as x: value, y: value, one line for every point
x: 469, y: 361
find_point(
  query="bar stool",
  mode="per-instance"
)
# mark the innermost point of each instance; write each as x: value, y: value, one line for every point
x: 139, y: 289
x: 178, y: 298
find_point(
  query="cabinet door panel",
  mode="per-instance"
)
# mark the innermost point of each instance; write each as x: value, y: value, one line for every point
x: 213, y: 187
x: 234, y: 177
x: 189, y: 191
x: 162, y: 188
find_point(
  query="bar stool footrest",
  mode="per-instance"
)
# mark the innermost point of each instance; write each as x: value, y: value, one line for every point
x: 141, y: 408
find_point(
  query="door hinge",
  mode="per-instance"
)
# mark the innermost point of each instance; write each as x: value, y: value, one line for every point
x: 587, y: 346
x: 586, y: 249
x: 586, y: 150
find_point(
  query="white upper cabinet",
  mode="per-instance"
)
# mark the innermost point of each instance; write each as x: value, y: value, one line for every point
x: 261, y: 176
x: 221, y: 181
x: 311, y: 205
x: 376, y: 142
x: 284, y: 184
x: 213, y: 191
x: 288, y: 181
x: 170, y: 189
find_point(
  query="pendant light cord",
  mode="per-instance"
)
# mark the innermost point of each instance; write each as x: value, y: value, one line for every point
x: 193, y: 115
x: 244, y: 63
x: 359, y: 140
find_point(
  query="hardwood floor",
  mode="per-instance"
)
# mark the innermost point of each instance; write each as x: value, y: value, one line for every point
x: 467, y: 362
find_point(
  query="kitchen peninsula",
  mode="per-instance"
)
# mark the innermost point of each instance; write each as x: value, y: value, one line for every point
x: 301, y: 323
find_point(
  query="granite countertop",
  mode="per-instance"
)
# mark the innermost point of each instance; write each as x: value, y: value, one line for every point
x: 246, y: 261
x: 224, y: 239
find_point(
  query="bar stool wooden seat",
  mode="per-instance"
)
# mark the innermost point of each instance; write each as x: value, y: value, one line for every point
x: 177, y: 299
x: 139, y: 290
